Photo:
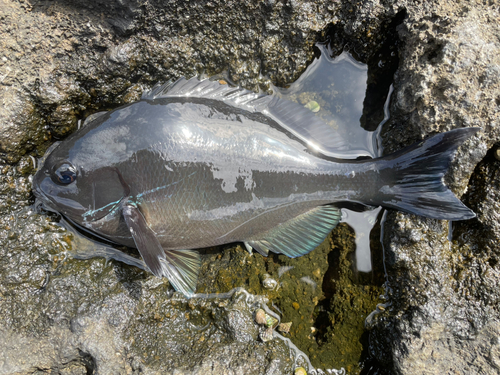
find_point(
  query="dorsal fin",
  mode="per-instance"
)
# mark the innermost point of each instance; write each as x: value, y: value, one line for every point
x: 195, y: 88
x: 301, y: 122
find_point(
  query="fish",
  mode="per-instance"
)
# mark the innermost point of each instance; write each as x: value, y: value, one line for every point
x: 196, y: 163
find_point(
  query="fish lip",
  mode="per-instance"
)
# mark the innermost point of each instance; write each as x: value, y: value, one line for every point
x: 50, y: 203
x: 40, y: 198
x: 42, y: 201
x: 37, y: 192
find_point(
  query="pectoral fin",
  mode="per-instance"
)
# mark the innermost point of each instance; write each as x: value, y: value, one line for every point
x: 181, y: 267
x: 299, y: 235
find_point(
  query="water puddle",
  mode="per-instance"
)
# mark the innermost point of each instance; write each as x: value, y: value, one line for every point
x: 335, y: 90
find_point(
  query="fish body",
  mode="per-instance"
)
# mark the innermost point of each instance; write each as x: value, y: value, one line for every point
x: 196, y: 164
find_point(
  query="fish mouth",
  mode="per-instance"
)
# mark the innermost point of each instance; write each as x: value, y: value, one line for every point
x: 42, y: 203
x: 46, y: 195
x: 41, y: 200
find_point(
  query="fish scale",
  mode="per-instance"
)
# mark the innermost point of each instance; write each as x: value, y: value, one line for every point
x: 169, y: 209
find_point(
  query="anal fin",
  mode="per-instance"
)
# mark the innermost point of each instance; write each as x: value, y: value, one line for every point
x: 181, y: 267
x: 300, y: 235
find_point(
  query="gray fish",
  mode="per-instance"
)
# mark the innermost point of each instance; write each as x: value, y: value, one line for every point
x: 196, y: 164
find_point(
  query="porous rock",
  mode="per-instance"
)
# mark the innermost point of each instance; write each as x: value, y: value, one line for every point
x: 443, y: 285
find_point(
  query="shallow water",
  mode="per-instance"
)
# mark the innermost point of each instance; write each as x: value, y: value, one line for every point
x: 339, y: 86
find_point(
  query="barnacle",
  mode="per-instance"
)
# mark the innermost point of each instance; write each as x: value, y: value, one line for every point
x: 284, y: 327
x: 260, y: 316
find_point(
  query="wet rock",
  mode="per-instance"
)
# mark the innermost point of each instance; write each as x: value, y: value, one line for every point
x: 443, y: 287
x: 134, y: 329
x: 64, y: 60
x: 20, y: 127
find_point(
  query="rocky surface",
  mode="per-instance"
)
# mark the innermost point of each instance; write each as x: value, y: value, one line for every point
x: 444, y: 286
x: 63, y: 60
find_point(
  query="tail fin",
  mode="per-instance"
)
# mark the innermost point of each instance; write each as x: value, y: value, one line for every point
x: 413, y: 178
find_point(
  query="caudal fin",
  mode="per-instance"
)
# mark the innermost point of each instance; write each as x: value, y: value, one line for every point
x: 413, y: 178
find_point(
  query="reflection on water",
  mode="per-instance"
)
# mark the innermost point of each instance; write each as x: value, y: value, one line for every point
x: 335, y: 90
x: 338, y: 85
x: 362, y: 223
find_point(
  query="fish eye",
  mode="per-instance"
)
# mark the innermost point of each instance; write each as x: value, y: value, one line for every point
x: 63, y: 173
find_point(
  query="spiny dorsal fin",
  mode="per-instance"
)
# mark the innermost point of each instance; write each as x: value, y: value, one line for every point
x: 195, y: 88
x: 299, y: 235
x: 301, y: 122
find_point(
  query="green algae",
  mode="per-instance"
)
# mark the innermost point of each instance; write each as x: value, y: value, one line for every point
x: 321, y: 295
x: 349, y: 305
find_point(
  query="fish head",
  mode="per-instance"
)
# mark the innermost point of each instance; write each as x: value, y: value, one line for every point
x: 56, y: 185
x: 81, y: 192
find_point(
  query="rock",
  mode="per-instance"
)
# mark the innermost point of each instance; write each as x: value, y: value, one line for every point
x: 443, y: 286
x: 131, y: 333
x: 64, y: 60
x: 20, y: 127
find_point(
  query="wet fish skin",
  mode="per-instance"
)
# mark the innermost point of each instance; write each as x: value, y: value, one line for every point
x: 196, y: 164
x: 165, y: 181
